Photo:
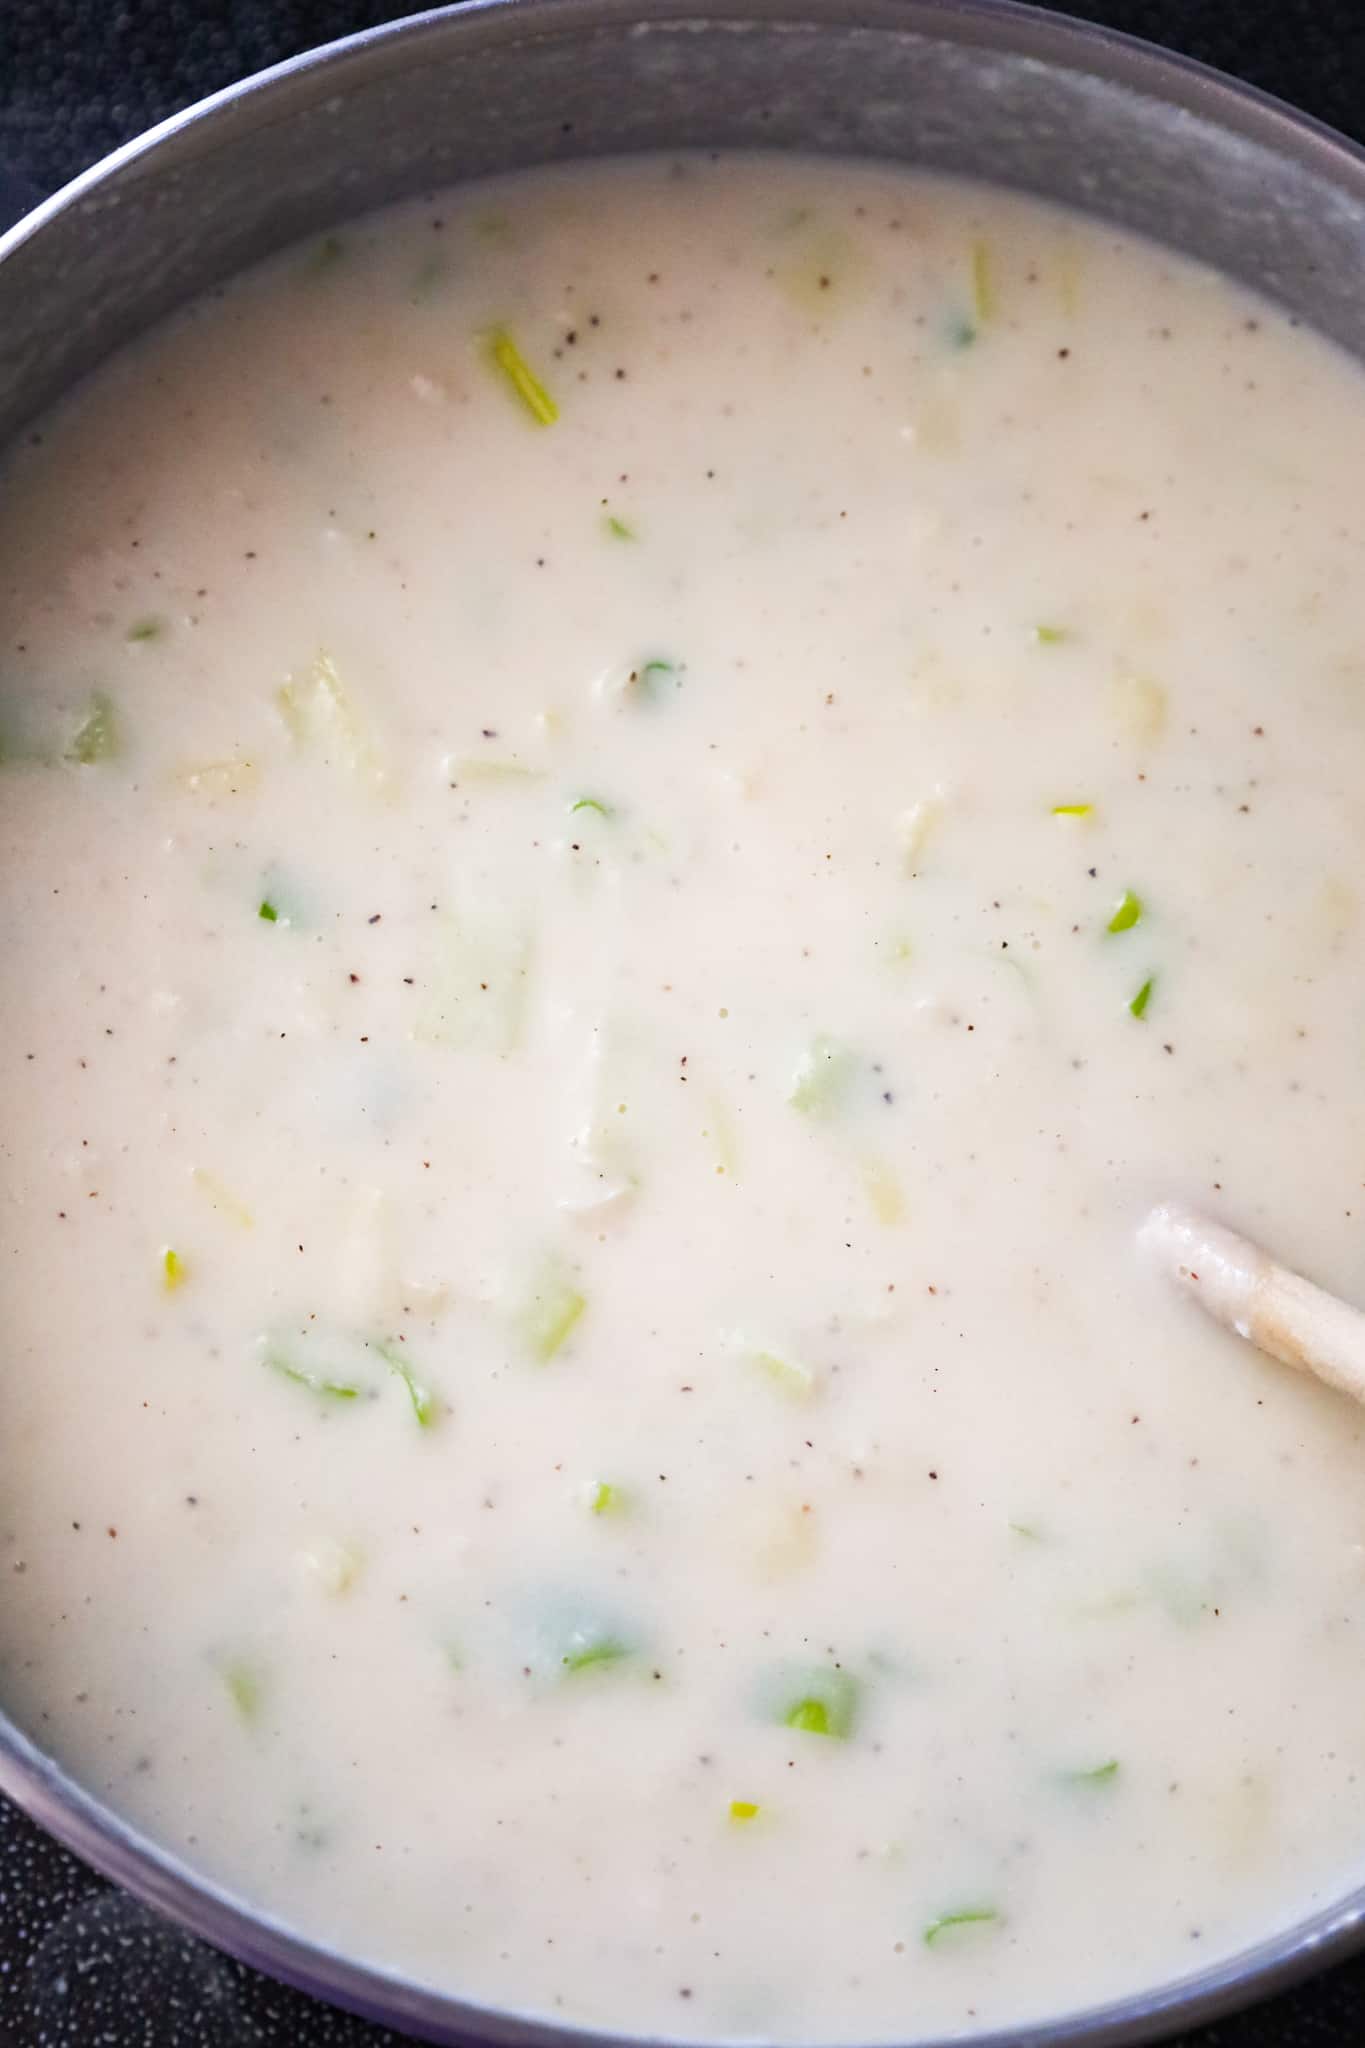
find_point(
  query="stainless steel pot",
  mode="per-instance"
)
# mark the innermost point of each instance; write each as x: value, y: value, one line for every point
x: 979, y: 87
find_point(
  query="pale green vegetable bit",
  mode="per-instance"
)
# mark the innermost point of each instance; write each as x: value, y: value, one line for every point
x: 589, y: 1652
x: 963, y: 1916
x: 1126, y: 914
x: 822, y: 1077
x: 315, y: 1382
x: 1102, y: 1774
x: 96, y: 738
x: 424, y: 1402
x: 823, y: 1701
x: 508, y: 358
x: 551, y: 1314
x: 245, y: 1687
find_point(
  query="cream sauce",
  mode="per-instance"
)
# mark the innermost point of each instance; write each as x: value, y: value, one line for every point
x: 581, y: 1417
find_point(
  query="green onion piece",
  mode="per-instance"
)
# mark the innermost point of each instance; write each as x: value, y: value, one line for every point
x: 1127, y: 914
x: 1103, y: 1774
x: 172, y: 1270
x: 587, y: 1653
x: 965, y: 1916
x: 591, y: 803
x: 550, y: 1316
x: 617, y: 527
x: 245, y: 1687
x: 1138, y: 1006
x: 96, y: 738
x: 1050, y: 636
x: 606, y: 1499
x: 268, y: 911
x: 743, y: 1809
x: 983, y: 282
x: 508, y: 358
x: 146, y: 629
x: 316, y: 1383
x: 424, y: 1403
x: 1026, y: 1531
x: 827, y: 1704
x: 1072, y: 811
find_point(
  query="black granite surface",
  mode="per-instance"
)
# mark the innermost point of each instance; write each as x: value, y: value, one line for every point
x: 82, y: 1966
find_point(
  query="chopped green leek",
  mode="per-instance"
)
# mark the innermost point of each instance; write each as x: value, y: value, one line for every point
x: 550, y: 1315
x: 587, y: 1652
x: 618, y: 528
x: 245, y: 1687
x: 317, y: 709
x: 172, y: 1269
x: 1127, y: 913
x: 792, y: 1375
x: 1027, y: 1532
x: 1138, y: 1006
x: 825, y: 1704
x: 606, y: 1499
x: 964, y: 1916
x: 508, y: 358
x: 591, y: 803
x: 1050, y: 636
x: 480, y: 768
x: 316, y: 1382
x: 146, y: 629
x: 424, y: 1403
x: 96, y: 738
x: 822, y: 1077
x: 1103, y: 1774
x: 268, y: 911
x: 983, y: 283
x: 1072, y: 811
x: 221, y: 1197
x: 743, y: 1809
x: 811, y: 1716
x: 883, y: 1191
x: 649, y: 679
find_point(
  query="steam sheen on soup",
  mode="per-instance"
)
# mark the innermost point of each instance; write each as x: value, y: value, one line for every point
x: 643, y: 809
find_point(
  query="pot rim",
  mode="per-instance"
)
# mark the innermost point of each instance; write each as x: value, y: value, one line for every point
x: 28, y: 1776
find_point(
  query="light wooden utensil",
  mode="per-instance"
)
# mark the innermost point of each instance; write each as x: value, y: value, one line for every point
x: 1242, y: 1287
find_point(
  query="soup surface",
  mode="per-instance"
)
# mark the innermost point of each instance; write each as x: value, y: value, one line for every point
x: 643, y: 811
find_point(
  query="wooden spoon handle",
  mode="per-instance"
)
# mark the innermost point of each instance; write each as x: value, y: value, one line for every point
x: 1241, y: 1286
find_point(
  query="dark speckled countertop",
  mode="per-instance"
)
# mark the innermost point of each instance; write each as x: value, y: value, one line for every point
x: 82, y: 1966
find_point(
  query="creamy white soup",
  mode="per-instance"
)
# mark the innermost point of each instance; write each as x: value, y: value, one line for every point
x: 643, y: 811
